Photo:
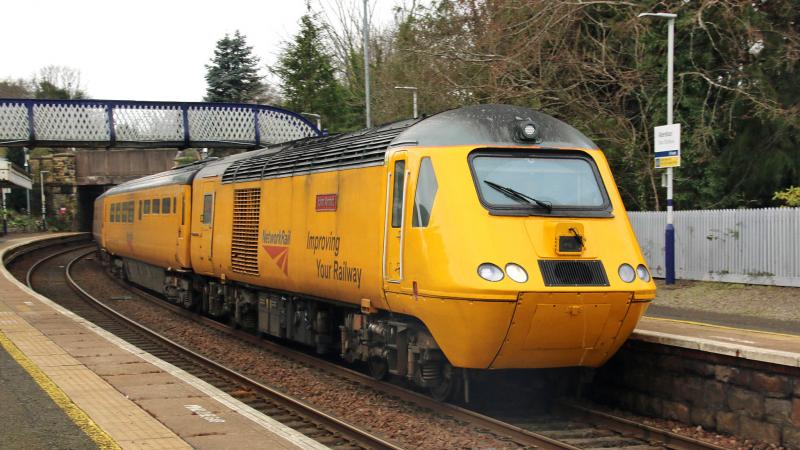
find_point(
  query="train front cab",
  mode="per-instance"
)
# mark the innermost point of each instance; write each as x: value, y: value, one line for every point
x: 443, y: 221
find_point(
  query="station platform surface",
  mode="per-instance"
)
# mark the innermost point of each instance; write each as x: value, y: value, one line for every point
x: 69, y: 384
x: 775, y: 348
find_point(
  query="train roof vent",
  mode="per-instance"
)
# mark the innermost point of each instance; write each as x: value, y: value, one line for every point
x: 244, y: 242
x: 573, y: 272
x: 358, y: 149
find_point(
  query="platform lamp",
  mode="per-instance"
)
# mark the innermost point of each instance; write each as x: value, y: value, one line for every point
x: 669, y: 233
x: 316, y: 116
x: 41, y: 187
x: 413, y: 90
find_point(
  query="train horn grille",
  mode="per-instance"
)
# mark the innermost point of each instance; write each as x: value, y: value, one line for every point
x: 244, y: 244
x: 573, y: 273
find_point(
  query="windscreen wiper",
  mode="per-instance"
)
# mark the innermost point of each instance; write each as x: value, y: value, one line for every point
x: 519, y: 196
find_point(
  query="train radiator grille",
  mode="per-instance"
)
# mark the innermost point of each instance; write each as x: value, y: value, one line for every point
x: 244, y: 244
x: 573, y: 273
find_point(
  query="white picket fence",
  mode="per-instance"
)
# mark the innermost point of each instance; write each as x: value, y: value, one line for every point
x: 756, y: 246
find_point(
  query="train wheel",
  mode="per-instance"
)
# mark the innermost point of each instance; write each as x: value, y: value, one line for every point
x: 450, y: 385
x: 378, y: 368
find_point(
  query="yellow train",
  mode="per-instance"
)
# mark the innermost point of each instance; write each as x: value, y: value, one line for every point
x: 486, y: 237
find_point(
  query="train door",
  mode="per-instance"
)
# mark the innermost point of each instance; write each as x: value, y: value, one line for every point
x: 203, y: 227
x: 394, y: 230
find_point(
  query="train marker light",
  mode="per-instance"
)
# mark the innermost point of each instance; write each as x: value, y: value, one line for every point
x: 643, y: 273
x: 527, y: 131
x: 626, y: 273
x: 490, y: 272
x: 516, y: 273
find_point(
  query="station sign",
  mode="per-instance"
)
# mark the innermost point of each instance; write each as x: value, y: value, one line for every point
x: 667, y: 145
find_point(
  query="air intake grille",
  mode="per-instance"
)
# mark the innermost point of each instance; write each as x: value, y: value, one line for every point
x: 573, y: 273
x: 244, y: 245
x: 338, y: 152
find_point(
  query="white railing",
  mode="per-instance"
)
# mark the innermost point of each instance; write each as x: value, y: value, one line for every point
x: 756, y: 246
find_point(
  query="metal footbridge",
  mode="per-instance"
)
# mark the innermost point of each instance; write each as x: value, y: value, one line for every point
x: 134, y: 124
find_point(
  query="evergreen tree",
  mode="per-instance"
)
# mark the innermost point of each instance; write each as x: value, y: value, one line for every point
x: 308, y: 77
x: 232, y: 75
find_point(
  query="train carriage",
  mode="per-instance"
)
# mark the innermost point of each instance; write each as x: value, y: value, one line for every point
x: 487, y: 237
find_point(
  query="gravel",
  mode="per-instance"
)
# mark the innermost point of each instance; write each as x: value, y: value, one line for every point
x: 395, y: 420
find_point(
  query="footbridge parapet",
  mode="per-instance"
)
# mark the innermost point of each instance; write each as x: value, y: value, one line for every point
x: 136, y: 124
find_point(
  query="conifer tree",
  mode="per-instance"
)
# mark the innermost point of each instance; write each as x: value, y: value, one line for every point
x: 308, y: 77
x: 232, y: 75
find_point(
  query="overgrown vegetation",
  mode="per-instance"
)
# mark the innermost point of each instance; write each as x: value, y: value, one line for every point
x: 599, y: 67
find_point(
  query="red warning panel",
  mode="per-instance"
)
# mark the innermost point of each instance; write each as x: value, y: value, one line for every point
x: 326, y: 202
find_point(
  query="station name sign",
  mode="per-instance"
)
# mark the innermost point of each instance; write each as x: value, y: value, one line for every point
x: 667, y: 145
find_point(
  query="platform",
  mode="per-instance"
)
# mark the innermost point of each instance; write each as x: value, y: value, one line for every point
x: 775, y: 348
x: 118, y: 395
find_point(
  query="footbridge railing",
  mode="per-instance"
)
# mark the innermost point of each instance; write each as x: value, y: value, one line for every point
x: 135, y: 124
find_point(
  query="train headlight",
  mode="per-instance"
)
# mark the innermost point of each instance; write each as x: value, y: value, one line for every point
x: 516, y: 273
x: 643, y: 273
x: 626, y: 273
x: 490, y: 272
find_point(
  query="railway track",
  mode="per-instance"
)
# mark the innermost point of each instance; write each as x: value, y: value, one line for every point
x: 569, y: 426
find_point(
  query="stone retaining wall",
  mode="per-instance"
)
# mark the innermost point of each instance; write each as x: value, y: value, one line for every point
x: 731, y: 395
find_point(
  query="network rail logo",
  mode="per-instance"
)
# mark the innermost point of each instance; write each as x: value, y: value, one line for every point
x: 276, y: 244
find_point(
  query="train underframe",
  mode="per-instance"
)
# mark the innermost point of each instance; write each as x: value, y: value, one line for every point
x: 390, y: 345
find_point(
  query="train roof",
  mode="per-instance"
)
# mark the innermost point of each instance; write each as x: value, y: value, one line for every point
x: 481, y: 126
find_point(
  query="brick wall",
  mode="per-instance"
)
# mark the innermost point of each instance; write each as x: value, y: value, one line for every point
x: 731, y: 395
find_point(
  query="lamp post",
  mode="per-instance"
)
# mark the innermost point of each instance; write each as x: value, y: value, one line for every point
x: 366, y: 65
x: 41, y: 187
x: 669, y: 234
x: 28, y: 172
x: 413, y: 90
x: 316, y: 116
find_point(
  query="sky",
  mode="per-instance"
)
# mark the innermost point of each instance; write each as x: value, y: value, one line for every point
x: 145, y: 49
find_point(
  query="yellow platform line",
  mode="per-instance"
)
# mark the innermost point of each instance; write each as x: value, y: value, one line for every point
x: 723, y: 327
x: 77, y: 415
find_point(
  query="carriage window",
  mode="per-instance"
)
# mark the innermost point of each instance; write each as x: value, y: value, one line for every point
x: 165, y: 205
x: 397, y: 200
x: 111, y: 212
x: 140, y: 210
x: 130, y: 211
x: 208, y: 200
x: 425, y: 194
x: 147, y: 206
x: 183, y: 209
x: 156, y: 206
x: 117, y: 213
x: 123, y: 212
x: 174, y: 204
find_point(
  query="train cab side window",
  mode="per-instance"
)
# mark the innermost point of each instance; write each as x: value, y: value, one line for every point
x: 165, y: 205
x: 208, y: 201
x: 140, y: 210
x: 174, y: 204
x: 397, y: 198
x: 147, y: 206
x: 425, y: 194
x: 156, y: 206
